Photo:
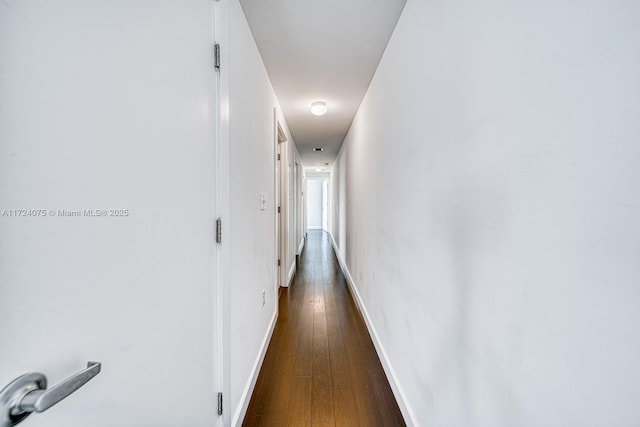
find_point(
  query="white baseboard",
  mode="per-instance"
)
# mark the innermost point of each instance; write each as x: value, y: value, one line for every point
x: 314, y: 227
x: 399, y: 394
x: 292, y: 271
x: 238, y: 417
x: 301, y: 246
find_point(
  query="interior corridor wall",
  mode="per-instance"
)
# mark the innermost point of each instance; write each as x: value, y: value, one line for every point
x: 299, y: 206
x: 292, y: 206
x: 251, y: 230
x: 492, y: 217
x: 338, y: 194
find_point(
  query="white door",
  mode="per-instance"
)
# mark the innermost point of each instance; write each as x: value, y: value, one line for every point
x: 278, y: 227
x: 282, y: 205
x: 107, y: 204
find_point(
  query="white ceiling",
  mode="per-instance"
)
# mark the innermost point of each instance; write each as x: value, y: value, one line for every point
x: 321, y: 51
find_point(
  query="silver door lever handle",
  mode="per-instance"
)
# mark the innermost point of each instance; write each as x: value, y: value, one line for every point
x: 28, y: 393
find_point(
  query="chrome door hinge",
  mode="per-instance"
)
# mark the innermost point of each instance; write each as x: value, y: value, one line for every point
x: 216, y: 56
x: 219, y: 403
x: 219, y: 230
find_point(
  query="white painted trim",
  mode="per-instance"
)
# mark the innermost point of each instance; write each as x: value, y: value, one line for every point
x: 301, y: 245
x: 276, y: 202
x: 292, y: 271
x: 238, y: 417
x: 315, y: 227
x: 223, y: 204
x: 398, y: 392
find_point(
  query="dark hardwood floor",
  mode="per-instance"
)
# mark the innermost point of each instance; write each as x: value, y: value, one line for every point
x: 321, y: 367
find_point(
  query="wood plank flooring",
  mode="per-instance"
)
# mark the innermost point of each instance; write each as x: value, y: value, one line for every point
x: 321, y: 368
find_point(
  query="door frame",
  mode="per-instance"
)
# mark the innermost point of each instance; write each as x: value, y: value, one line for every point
x: 325, y: 189
x: 221, y: 291
x: 281, y: 207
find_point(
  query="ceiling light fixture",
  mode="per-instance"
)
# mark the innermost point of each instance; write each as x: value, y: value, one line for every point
x: 318, y: 169
x: 318, y: 108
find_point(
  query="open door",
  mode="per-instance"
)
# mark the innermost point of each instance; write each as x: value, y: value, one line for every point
x: 107, y: 213
x: 282, y: 205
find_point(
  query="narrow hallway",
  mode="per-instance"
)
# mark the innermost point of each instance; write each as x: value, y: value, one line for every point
x: 321, y: 367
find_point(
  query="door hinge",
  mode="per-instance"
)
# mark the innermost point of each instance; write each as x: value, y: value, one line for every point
x: 278, y: 209
x: 216, y: 56
x: 219, y: 403
x: 278, y: 263
x: 278, y: 156
x: 219, y: 230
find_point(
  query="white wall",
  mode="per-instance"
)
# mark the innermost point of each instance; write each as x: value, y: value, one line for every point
x: 304, y: 204
x: 325, y: 205
x: 492, y: 217
x: 107, y: 105
x: 251, y: 239
x: 290, y: 204
x: 294, y: 206
x: 299, y: 206
x: 338, y: 195
x: 314, y: 204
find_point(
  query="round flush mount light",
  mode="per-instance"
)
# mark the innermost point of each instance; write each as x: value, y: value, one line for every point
x: 318, y: 108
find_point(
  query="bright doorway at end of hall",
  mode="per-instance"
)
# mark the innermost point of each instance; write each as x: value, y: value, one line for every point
x: 318, y: 204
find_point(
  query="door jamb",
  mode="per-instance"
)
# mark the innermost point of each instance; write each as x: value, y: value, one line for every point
x: 281, y: 202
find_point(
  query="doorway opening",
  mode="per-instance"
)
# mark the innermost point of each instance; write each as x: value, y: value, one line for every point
x: 318, y: 204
